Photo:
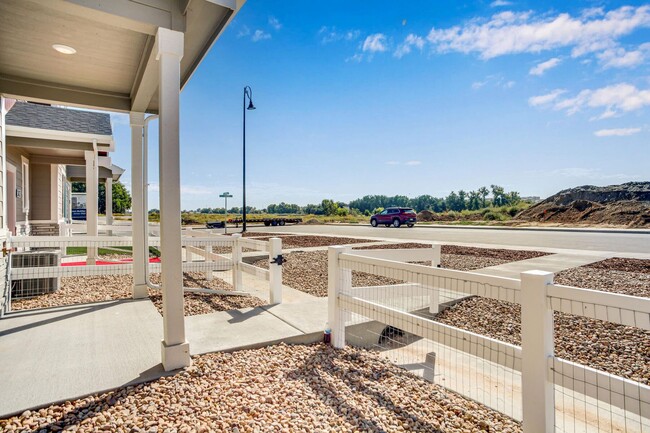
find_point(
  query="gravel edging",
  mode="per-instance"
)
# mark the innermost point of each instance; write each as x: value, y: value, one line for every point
x: 83, y: 290
x: 307, y: 270
x: 277, y: 388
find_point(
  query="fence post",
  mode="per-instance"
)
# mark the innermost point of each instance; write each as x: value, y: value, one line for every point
x: 275, y: 271
x: 208, y: 259
x: 536, y: 349
x: 434, y: 303
x: 236, y: 259
x: 338, y: 280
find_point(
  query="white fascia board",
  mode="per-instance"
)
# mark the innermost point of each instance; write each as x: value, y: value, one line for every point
x: 49, y: 134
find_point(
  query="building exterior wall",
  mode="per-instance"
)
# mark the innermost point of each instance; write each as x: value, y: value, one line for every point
x: 4, y: 286
x: 41, y: 196
x: 16, y: 158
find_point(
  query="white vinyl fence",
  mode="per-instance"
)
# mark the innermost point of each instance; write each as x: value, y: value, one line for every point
x: 203, y: 252
x: 397, y: 315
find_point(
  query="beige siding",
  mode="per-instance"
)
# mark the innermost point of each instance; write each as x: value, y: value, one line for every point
x: 14, y: 157
x: 41, y: 192
x: 61, y: 179
x: 4, y: 287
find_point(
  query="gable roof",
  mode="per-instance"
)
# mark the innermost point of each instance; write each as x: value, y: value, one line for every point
x: 59, y: 119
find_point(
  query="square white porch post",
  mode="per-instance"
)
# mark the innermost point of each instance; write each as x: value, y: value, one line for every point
x: 140, y: 256
x: 169, y: 52
x: 92, y: 200
x: 109, y: 201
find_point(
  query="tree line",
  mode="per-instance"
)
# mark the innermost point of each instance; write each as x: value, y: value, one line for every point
x: 121, y: 196
x: 481, y: 198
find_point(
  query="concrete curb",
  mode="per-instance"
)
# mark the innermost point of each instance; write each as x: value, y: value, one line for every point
x: 533, y: 229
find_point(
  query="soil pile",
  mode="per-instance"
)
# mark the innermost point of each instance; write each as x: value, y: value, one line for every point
x: 622, y: 205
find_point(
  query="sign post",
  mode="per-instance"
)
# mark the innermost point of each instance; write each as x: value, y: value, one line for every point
x: 225, y: 196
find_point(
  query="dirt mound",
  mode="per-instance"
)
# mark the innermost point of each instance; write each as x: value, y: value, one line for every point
x: 622, y: 205
x: 312, y: 222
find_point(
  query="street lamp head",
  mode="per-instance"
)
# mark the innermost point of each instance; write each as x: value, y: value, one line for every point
x: 250, y: 105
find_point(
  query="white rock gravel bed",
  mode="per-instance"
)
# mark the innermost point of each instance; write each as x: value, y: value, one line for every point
x: 616, y: 349
x: 275, y: 389
x: 83, y: 290
x: 616, y: 275
x: 307, y: 271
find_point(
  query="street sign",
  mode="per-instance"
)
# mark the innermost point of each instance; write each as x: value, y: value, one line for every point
x: 225, y: 196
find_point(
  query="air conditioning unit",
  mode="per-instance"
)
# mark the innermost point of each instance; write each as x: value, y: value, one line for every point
x: 27, y: 288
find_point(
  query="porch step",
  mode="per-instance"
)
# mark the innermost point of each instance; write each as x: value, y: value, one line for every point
x: 44, y: 229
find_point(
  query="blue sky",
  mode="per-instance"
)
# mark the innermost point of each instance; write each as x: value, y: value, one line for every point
x: 422, y: 97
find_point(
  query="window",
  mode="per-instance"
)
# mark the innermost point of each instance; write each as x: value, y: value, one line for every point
x: 384, y: 212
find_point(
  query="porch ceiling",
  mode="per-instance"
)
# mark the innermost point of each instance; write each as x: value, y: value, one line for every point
x: 113, y: 41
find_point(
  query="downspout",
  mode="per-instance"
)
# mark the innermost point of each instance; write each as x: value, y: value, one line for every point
x: 145, y: 198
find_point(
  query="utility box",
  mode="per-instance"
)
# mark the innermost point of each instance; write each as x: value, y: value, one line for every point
x: 30, y: 287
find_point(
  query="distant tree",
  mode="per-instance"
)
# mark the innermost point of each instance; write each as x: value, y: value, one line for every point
x: 483, y: 192
x: 329, y: 207
x: 121, y: 198
x: 78, y: 187
x: 513, y: 197
x: 498, y: 195
x: 474, y: 200
x: 314, y: 209
x: 453, y: 202
x: 462, y: 195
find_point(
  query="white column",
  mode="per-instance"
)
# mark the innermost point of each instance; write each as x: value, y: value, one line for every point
x: 140, y: 256
x: 109, y: 201
x: 434, y: 302
x: 92, y: 200
x: 237, y: 283
x: 275, y: 271
x: 338, y: 280
x: 169, y: 51
x: 538, y: 407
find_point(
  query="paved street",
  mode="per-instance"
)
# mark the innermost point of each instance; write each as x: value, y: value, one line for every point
x: 632, y: 244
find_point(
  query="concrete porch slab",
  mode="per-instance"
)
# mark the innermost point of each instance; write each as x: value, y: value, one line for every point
x: 56, y: 354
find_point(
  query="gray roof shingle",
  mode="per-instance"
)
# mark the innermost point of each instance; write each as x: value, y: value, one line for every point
x: 59, y: 119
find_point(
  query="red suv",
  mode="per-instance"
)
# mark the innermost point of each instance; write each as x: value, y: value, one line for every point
x: 395, y: 216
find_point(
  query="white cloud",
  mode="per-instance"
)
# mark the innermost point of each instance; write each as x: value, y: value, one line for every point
x: 615, y: 99
x: 375, y: 43
x: 621, y: 58
x: 275, y: 23
x: 406, y: 46
x: 478, y: 84
x: 536, y: 101
x: 588, y: 173
x: 540, y: 68
x: 496, y: 80
x: 619, y: 132
x: 260, y: 35
x: 332, y: 34
x: 500, y: 3
x: 521, y: 32
x: 413, y: 162
x: 243, y: 32
x: 358, y: 57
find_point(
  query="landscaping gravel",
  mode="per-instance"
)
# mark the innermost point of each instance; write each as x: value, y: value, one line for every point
x: 278, y: 388
x: 616, y: 349
x: 307, y: 241
x: 495, y: 253
x: 82, y: 290
x: 307, y: 271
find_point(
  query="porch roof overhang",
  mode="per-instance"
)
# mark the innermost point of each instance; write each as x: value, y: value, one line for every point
x: 56, y: 147
x: 113, y: 67
x: 76, y: 173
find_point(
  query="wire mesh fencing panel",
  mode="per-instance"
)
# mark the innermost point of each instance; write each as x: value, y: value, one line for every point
x: 51, y: 271
x: 612, y: 394
x: 437, y: 324
x: 396, y: 315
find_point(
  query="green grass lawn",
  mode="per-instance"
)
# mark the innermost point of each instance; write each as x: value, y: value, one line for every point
x: 80, y: 251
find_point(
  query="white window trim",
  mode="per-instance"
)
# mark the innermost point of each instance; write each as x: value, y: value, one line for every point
x: 26, y: 184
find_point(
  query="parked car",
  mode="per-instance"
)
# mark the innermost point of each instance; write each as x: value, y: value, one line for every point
x: 394, y: 216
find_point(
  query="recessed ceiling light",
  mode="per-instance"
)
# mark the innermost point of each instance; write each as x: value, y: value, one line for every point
x: 64, y: 49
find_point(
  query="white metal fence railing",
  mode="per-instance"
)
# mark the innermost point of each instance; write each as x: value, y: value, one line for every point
x: 86, y: 256
x: 438, y: 323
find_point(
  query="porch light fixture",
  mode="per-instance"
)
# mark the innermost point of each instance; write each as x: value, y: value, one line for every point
x: 64, y: 49
x: 247, y: 93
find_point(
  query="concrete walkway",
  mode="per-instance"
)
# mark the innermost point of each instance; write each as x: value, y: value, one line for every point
x: 57, y: 354
x: 552, y: 263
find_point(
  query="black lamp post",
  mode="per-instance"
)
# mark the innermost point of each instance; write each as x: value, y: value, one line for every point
x: 247, y: 92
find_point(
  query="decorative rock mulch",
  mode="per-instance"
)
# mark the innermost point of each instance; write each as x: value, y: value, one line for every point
x: 625, y: 276
x: 616, y: 349
x: 82, y: 290
x: 307, y: 271
x: 278, y: 388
